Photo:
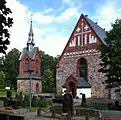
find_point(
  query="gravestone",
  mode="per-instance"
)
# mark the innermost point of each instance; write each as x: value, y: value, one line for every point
x: 25, y: 102
x: 9, y: 94
x: 68, y: 104
x: 83, y: 103
x: 42, y: 98
x: 16, y: 96
x: 21, y: 95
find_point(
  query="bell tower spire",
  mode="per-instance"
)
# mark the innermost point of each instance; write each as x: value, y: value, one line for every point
x: 30, y: 42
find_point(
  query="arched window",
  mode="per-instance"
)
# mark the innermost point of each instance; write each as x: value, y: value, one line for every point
x: 36, y: 65
x: 37, y: 87
x: 26, y: 64
x: 82, y: 68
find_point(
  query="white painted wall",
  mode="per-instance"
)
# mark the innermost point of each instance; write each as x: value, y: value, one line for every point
x: 63, y: 89
x: 86, y: 91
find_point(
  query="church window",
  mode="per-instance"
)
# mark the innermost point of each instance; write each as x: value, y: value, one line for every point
x: 36, y: 65
x: 82, y: 68
x: 26, y: 64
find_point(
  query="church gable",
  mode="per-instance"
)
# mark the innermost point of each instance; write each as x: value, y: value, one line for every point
x: 85, y: 38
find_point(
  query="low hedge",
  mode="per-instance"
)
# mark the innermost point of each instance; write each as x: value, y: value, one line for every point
x: 48, y: 90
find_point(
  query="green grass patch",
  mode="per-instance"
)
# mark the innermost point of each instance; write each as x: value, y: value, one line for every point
x: 33, y: 109
x: 1, y: 103
x: 3, y: 93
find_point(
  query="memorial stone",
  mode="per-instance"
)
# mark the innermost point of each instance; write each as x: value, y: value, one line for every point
x: 68, y: 104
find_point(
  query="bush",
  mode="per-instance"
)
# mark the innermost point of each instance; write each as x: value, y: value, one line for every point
x: 1, y: 103
x: 48, y: 90
x: 45, y: 103
x: 36, y: 103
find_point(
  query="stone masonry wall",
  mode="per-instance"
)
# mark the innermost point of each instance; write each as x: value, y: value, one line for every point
x: 67, y: 66
x: 23, y: 85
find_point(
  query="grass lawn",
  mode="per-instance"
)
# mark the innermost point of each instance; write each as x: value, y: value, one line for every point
x: 33, y: 109
x: 1, y: 103
x: 3, y: 93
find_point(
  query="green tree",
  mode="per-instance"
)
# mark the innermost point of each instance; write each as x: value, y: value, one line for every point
x: 2, y: 79
x: 48, y: 80
x: 5, y: 23
x: 2, y: 67
x: 111, y: 56
x: 48, y: 62
x: 11, y: 64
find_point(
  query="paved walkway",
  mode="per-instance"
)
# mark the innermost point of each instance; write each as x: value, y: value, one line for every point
x: 33, y: 116
x: 115, y: 115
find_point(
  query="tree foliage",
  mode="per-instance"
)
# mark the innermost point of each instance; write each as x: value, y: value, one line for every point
x: 2, y: 80
x: 11, y: 63
x: 48, y: 64
x: 48, y: 79
x: 111, y: 56
x: 5, y: 23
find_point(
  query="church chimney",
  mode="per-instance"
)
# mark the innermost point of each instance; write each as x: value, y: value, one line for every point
x: 30, y: 42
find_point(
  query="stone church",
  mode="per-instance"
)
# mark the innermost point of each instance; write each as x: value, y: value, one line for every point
x: 78, y: 65
x: 29, y: 61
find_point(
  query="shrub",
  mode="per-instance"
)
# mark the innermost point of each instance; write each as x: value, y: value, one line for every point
x: 45, y: 103
x: 36, y: 103
x: 48, y: 90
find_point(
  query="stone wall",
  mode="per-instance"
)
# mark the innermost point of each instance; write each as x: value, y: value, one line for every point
x: 23, y: 85
x: 67, y: 66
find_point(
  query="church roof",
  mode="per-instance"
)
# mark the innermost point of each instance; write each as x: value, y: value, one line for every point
x: 24, y: 76
x: 82, y: 83
x: 98, y: 30
x: 30, y: 54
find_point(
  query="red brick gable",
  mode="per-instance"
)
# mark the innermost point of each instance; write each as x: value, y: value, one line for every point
x: 83, y: 39
x: 32, y: 62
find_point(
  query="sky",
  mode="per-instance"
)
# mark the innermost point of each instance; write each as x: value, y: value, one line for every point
x: 54, y: 20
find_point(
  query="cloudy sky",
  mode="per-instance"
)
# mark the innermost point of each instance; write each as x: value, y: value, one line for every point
x: 54, y: 20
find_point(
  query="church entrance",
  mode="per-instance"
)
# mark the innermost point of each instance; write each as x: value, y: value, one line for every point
x: 72, y: 89
x: 37, y: 87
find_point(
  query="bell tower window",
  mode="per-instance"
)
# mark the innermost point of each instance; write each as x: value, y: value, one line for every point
x: 36, y: 66
x: 26, y: 64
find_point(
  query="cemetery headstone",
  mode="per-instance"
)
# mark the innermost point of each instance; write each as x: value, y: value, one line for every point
x: 21, y: 95
x: 9, y: 94
x: 83, y: 103
x: 68, y: 104
x: 42, y: 98
x: 25, y: 100
x: 34, y: 98
x: 117, y: 106
x: 16, y: 96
